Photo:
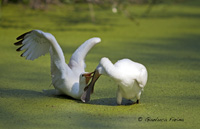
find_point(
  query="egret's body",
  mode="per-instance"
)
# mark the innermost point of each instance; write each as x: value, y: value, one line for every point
x: 69, y: 79
x: 130, y: 76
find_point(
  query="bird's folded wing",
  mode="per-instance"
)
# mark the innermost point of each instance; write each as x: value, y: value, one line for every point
x: 142, y: 78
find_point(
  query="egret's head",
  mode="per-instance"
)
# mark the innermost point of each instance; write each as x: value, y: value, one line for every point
x: 85, y: 78
x: 101, y: 66
x: 96, y: 74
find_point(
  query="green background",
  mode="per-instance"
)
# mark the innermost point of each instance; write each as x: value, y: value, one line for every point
x: 166, y: 41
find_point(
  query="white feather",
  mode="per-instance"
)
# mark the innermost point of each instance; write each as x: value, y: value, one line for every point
x: 26, y: 46
x: 130, y: 76
x: 66, y: 80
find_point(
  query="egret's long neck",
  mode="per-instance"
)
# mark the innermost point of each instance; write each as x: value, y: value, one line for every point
x: 57, y: 60
x: 82, y: 85
x: 108, y: 68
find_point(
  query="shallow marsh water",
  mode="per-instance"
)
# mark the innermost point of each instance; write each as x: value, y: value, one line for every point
x: 167, y: 42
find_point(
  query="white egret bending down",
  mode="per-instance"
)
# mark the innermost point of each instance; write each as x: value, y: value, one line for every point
x: 130, y: 76
x: 69, y: 79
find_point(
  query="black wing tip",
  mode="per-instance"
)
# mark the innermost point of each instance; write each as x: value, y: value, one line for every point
x: 18, y: 43
x: 19, y: 49
x: 22, y: 36
x: 22, y: 55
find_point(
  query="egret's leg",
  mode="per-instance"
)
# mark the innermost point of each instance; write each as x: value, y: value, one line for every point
x: 137, y: 101
x: 138, y: 97
x: 119, y: 97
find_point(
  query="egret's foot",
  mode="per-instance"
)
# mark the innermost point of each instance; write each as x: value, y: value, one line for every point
x: 118, y: 104
x: 137, y: 102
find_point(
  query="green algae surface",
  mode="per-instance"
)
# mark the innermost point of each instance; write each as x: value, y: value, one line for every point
x: 166, y: 41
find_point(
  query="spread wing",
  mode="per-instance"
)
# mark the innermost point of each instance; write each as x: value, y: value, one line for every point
x: 36, y: 43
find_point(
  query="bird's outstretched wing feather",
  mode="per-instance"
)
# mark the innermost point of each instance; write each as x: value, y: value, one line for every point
x: 37, y: 43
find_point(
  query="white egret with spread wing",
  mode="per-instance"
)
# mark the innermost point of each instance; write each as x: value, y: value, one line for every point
x: 69, y: 79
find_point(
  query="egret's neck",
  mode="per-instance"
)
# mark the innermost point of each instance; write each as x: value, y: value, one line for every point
x: 106, y: 67
x: 82, y: 84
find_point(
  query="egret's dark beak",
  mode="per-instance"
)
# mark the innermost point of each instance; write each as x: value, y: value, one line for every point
x: 90, y: 88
